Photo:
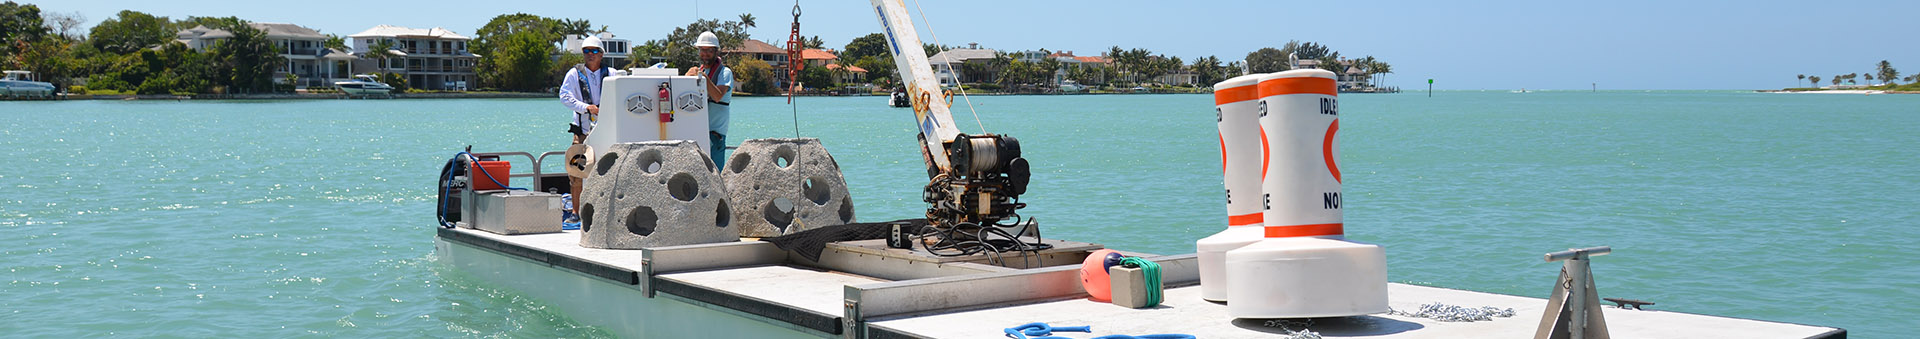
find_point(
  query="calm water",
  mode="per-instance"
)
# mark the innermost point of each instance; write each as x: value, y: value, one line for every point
x: 277, y: 218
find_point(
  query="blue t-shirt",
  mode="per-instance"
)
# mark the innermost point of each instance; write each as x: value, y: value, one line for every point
x: 717, y: 114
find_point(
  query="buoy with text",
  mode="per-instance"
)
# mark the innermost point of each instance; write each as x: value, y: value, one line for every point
x: 1304, y: 267
x: 1242, y: 153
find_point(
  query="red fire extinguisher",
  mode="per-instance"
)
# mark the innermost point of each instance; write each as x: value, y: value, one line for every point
x: 666, y: 103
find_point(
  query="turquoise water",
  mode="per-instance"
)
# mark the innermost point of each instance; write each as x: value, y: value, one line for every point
x: 279, y: 218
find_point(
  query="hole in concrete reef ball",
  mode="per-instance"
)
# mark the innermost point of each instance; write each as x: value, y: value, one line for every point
x: 642, y: 221
x: 784, y: 156
x: 846, y: 210
x: 605, y: 163
x: 778, y: 212
x: 708, y: 161
x: 586, y: 217
x: 683, y: 187
x: 649, y: 161
x: 739, y: 162
x: 816, y: 190
x: 722, y: 215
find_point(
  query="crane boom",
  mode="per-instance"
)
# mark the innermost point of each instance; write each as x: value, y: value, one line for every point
x: 930, y: 107
x: 973, y: 179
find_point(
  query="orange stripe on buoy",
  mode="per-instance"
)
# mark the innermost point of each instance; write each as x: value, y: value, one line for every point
x: 1254, y: 218
x: 1266, y: 155
x: 1236, y: 94
x: 1304, y: 85
x: 1223, y: 153
x: 1305, y: 230
x: 1326, y: 150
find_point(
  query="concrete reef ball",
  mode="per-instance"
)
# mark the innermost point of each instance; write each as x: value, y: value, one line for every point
x: 652, y: 194
x: 785, y: 185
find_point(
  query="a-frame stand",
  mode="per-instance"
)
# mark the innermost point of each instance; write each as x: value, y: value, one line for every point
x: 1573, y: 312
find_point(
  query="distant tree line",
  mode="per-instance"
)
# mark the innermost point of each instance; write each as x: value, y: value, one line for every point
x: 1888, y: 76
x: 133, y: 52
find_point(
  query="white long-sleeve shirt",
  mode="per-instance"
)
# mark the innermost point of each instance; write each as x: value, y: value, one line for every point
x: 570, y: 96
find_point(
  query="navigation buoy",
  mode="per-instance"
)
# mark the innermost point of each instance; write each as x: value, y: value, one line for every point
x: 1304, y: 267
x: 1242, y: 154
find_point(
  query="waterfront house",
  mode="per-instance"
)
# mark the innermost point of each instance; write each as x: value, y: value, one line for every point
x: 951, y: 67
x: 432, y: 59
x: 847, y: 74
x: 1353, y: 77
x: 1178, y: 77
x: 818, y: 58
x: 756, y: 49
x: 617, y: 53
x: 308, y: 60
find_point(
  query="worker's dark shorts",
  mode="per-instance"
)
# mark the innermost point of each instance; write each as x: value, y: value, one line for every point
x: 575, y: 129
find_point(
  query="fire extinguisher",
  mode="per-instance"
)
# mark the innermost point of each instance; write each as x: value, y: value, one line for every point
x: 666, y: 103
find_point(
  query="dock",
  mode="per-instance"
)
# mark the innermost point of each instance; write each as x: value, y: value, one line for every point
x: 752, y: 289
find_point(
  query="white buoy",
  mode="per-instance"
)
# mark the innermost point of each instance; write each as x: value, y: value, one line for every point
x: 1304, y: 267
x: 1242, y: 152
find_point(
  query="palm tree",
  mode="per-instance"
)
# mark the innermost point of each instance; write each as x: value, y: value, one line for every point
x: 381, y: 50
x: 1383, y: 68
x: 1886, y: 71
x: 1836, y: 79
x: 1869, y: 80
x: 1803, y: 77
x: 1815, y: 80
x: 747, y: 19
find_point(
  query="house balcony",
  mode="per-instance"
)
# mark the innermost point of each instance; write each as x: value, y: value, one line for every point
x: 304, y: 51
x: 449, y: 69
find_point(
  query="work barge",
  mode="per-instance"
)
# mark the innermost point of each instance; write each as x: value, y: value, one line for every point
x: 862, y: 289
x: 765, y: 244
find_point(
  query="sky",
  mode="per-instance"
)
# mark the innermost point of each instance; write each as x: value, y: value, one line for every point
x: 1610, y: 45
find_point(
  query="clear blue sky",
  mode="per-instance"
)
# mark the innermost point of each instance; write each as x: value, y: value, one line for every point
x: 1465, y: 45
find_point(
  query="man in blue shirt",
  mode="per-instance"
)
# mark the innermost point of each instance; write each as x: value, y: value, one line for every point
x: 719, y: 94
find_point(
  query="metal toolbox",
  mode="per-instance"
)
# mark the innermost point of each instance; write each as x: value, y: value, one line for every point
x: 515, y: 212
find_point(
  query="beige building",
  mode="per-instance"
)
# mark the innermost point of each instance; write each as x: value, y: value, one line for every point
x: 431, y: 59
x: 308, y: 60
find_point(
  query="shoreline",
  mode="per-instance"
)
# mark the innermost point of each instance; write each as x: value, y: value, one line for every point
x: 305, y: 96
x: 1839, y: 91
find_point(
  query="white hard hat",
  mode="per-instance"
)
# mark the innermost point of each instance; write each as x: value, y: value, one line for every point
x: 707, y: 39
x: 592, y: 41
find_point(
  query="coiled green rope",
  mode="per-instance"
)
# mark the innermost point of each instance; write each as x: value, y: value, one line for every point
x: 1152, y: 271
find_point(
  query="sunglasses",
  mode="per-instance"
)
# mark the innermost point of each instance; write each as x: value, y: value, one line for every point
x: 591, y: 51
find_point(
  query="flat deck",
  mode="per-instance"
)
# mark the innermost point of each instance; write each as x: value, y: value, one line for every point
x: 1183, y: 312
x: 844, y: 296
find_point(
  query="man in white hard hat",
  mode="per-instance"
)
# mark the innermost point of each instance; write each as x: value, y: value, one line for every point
x: 719, y: 93
x: 580, y: 92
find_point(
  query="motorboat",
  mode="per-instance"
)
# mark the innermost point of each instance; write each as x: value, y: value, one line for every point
x: 899, y: 99
x: 20, y: 84
x: 364, y: 84
x: 1071, y: 86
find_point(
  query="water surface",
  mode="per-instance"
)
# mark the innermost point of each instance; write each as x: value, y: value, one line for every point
x: 276, y: 218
